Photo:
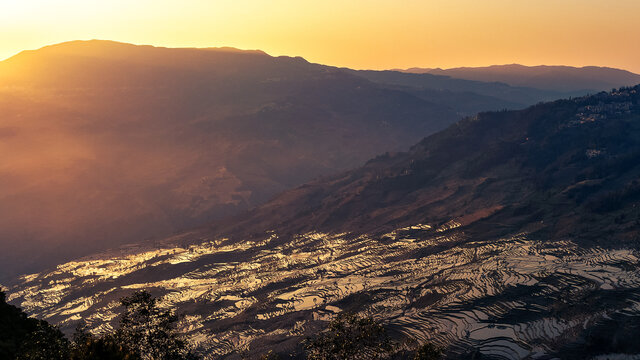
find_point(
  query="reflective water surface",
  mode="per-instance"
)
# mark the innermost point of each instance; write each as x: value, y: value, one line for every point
x: 511, y: 298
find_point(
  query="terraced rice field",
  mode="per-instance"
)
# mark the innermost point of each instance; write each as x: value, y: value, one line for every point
x: 509, y: 298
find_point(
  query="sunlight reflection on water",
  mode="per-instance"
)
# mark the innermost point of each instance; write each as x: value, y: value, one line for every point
x: 457, y: 293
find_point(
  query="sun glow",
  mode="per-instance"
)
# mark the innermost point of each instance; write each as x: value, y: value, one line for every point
x: 361, y: 34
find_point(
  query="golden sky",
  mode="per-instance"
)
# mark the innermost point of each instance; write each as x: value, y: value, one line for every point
x: 362, y: 34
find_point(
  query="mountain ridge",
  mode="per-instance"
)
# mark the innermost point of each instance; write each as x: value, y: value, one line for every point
x: 397, y: 190
x: 119, y: 142
x: 550, y: 77
x: 509, y: 234
x: 106, y: 143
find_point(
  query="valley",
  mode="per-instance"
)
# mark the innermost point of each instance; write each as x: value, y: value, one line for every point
x: 507, y: 298
x: 260, y: 196
x: 105, y: 143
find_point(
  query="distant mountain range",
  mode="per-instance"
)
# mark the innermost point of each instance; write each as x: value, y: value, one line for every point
x: 567, y: 168
x: 474, y: 93
x: 553, y: 78
x: 105, y: 143
x: 510, y: 235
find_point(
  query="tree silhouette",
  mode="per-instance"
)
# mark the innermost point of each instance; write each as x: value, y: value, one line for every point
x: 87, y: 346
x: 350, y: 336
x: 22, y: 337
x: 428, y: 351
x: 149, y: 330
x: 146, y: 332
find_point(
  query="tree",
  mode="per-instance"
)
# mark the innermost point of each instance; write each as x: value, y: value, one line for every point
x: 150, y: 331
x: 45, y: 342
x: 87, y: 346
x: 145, y: 333
x: 350, y: 336
x: 428, y: 351
x: 25, y: 338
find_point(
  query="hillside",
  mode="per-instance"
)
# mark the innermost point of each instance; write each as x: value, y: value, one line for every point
x: 508, y: 235
x: 553, y: 78
x: 104, y: 143
x: 564, y: 168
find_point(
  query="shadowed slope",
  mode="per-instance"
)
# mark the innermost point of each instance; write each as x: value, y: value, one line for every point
x: 103, y: 143
x: 473, y: 240
x: 565, y: 168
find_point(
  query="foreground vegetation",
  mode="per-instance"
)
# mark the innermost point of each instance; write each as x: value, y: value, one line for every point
x: 349, y: 336
x: 146, y: 332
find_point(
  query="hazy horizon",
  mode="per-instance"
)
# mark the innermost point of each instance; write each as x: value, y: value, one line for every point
x: 358, y: 35
x: 354, y: 68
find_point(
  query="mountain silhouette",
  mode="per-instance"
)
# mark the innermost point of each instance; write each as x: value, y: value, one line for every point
x: 106, y: 143
x: 430, y: 85
x: 554, y: 78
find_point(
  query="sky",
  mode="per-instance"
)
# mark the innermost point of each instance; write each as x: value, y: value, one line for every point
x: 361, y: 34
